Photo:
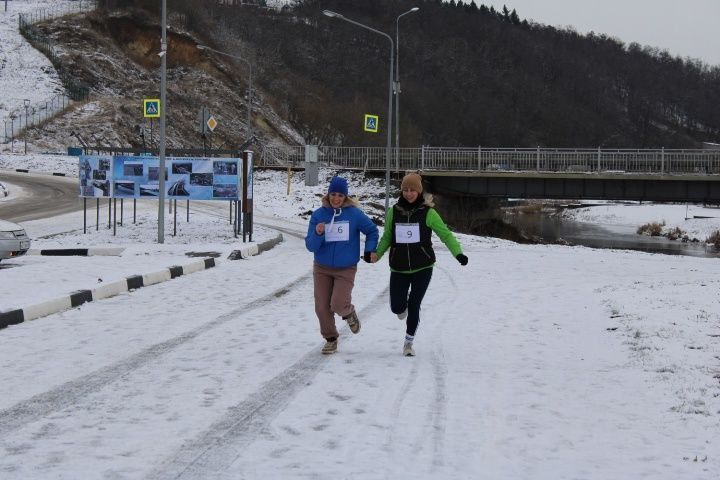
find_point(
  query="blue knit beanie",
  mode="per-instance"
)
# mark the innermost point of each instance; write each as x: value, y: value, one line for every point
x: 338, y: 185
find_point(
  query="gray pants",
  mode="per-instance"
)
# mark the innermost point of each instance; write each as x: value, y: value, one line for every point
x: 333, y: 294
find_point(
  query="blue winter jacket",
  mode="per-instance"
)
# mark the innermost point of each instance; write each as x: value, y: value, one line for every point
x: 341, y: 254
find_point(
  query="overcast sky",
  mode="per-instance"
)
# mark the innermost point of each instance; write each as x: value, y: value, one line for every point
x: 688, y: 28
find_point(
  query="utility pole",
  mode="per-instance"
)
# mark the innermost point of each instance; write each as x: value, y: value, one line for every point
x: 163, y: 109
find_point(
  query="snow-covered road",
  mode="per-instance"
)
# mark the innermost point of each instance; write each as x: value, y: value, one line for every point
x: 533, y: 362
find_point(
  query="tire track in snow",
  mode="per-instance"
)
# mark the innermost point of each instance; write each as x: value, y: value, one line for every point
x: 438, y: 412
x: 389, y: 444
x: 71, y: 392
x: 211, y: 453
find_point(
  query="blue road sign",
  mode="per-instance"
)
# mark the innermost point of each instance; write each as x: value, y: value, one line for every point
x: 371, y: 123
x: 151, y: 108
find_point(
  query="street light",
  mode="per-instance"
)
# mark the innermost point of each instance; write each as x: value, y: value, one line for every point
x: 247, y: 62
x: 26, y: 102
x: 13, y: 116
x: 332, y: 14
x: 163, y: 108
x: 397, y: 85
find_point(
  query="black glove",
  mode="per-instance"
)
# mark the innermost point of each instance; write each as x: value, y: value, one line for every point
x: 462, y: 259
x: 366, y: 257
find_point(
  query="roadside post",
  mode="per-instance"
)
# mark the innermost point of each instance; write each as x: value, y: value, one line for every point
x: 203, y: 117
x: 311, y: 165
x: 247, y: 194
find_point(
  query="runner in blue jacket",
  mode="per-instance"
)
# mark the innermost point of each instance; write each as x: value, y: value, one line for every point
x: 334, y: 238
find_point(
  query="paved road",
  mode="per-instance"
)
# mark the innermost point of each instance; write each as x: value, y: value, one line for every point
x: 44, y: 196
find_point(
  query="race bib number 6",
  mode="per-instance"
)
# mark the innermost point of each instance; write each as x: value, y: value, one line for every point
x: 337, y: 232
x: 407, y: 232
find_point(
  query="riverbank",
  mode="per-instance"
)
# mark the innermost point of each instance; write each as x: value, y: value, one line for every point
x: 697, y: 221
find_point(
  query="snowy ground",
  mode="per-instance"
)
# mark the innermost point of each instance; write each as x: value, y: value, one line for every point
x: 25, y: 73
x: 542, y: 362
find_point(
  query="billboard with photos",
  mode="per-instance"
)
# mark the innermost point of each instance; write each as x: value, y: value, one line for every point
x: 139, y: 177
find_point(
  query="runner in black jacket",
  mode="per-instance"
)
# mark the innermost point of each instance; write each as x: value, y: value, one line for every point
x: 408, y: 230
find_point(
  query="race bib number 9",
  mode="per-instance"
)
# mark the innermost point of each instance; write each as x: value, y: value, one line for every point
x: 337, y: 232
x: 407, y: 232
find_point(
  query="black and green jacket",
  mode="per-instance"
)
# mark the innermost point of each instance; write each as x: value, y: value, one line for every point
x: 411, y: 257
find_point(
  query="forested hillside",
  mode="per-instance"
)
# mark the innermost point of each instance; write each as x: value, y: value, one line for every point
x: 470, y: 75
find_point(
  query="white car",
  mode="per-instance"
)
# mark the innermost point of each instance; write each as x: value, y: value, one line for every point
x: 13, y: 240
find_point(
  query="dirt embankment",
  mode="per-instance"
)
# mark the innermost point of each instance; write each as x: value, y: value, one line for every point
x: 116, y: 55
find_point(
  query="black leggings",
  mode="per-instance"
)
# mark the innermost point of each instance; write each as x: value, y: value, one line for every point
x: 417, y: 284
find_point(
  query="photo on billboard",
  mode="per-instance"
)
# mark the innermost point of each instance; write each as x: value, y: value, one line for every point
x: 201, y: 179
x: 153, y: 175
x: 225, y: 190
x: 93, y: 176
x: 124, y: 189
x: 225, y: 167
x: 190, y: 178
x: 150, y: 190
x: 178, y: 188
x: 181, y: 168
x: 133, y: 169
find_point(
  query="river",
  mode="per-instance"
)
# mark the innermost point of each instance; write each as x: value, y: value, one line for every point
x: 553, y: 228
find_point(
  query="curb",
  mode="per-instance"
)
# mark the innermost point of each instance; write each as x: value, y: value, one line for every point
x: 56, y: 174
x: 82, y: 252
x: 255, y: 249
x: 75, y: 299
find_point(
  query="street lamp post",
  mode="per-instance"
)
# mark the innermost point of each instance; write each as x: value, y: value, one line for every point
x: 26, y: 102
x: 13, y: 116
x: 249, y: 65
x: 397, y: 85
x: 163, y: 109
x: 388, y: 149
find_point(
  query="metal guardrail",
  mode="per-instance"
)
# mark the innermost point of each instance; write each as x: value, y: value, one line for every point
x: 565, y: 160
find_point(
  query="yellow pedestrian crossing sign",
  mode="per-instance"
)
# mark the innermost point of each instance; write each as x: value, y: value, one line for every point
x: 371, y: 123
x: 151, y: 108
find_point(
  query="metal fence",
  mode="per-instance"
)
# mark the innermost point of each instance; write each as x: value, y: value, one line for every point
x: 26, y: 116
x: 57, y: 11
x: 36, y: 115
x: 558, y: 160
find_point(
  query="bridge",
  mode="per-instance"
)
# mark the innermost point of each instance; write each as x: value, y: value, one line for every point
x: 667, y: 175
